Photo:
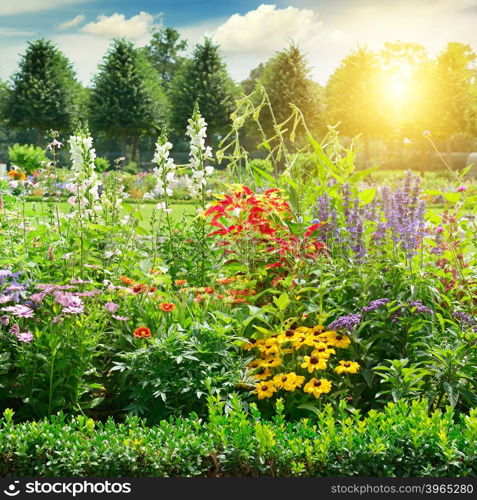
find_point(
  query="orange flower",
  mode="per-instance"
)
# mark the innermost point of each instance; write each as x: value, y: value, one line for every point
x: 166, y: 306
x: 208, y: 289
x: 126, y: 280
x: 155, y: 271
x: 139, y: 288
x: 225, y: 281
x: 12, y: 174
x: 180, y: 282
x: 142, y: 332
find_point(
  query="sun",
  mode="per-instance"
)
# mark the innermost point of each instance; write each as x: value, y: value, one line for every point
x: 398, y: 81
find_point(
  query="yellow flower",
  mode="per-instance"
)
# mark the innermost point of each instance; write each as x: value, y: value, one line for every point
x: 304, y: 329
x: 249, y: 344
x: 262, y: 373
x: 318, y: 387
x: 318, y: 328
x: 287, y: 336
x: 338, y: 340
x: 265, y: 390
x: 288, y: 381
x: 347, y: 367
x: 272, y: 362
x: 322, y: 350
x: 269, y: 348
x: 300, y: 341
x: 313, y: 363
x: 256, y: 363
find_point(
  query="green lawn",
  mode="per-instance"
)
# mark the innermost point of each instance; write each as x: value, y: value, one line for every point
x: 40, y: 209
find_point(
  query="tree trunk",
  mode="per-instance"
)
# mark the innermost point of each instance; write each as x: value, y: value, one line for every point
x: 123, y: 144
x: 39, y: 137
x: 449, y: 151
x: 134, y: 148
x: 422, y: 156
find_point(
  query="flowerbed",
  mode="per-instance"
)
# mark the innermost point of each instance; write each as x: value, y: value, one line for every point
x: 309, y: 290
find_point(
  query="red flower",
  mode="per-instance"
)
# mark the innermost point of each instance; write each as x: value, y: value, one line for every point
x: 166, y: 306
x: 312, y: 229
x: 142, y: 332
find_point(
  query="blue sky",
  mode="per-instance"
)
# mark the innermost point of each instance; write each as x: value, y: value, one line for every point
x: 248, y: 31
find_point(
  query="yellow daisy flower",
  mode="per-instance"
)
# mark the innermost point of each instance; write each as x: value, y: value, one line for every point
x: 322, y: 350
x: 271, y: 362
x: 256, y: 363
x: 287, y: 336
x: 265, y: 390
x: 300, y: 341
x: 269, y: 348
x: 317, y: 387
x: 338, y: 340
x: 249, y: 344
x: 262, y: 373
x: 288, y: 381
x: 347, y: 367
x: 312, y: 363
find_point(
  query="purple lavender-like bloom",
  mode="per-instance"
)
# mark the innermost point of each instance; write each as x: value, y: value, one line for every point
x: 19, y: 311
x: 420, y: 307
x: 466, y: 320
x: 348, y: 322
x: 111, y: 307
x: 4, y: 274
x: 375, y: 304
x: 69, y: 302
x: 404, y: 214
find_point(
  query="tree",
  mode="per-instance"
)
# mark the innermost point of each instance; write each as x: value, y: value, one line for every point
x: 354, y: 96
x: 126, y: 98
x: 164, y: 51
x: 203, y: 79
x: 44, y: 93
x: 455, y: 93
x: 286, y: 78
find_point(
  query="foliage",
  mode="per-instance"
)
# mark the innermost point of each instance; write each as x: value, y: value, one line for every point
x: 163, y: 51
x: 43, y: 94
x: 402, y: 440
x: 126, y: 97
x: 28, y: 157
x: 203, y: 80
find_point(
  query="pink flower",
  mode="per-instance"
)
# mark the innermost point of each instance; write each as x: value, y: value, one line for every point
x: 4, y: 320
x: 5, y: 298
x: 111, y: 307
x: 461, y: 188
x: 38, y: 297
x: 25, y: 337
x: 439, y: 229
x: 69, y: 302
x: 15, y: 329
x: 19, y: 311
x: 120, y: 318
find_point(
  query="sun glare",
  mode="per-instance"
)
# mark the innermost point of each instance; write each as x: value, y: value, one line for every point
x: 399, y: 81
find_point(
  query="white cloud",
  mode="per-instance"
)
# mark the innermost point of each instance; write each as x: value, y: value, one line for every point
x: 72, y: 22
x: 135, y: 28
x: 267, y: 29
x: 12, y: 7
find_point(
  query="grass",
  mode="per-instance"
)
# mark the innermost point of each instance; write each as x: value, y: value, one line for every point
x: 40, y: 209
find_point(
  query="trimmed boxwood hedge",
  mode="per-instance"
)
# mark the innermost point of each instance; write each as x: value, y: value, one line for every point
x: 401, y: 440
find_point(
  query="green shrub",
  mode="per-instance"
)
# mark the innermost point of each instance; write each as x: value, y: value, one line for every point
x: 27, y: 157
x: 101, y: 164
x: 402, y: 440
